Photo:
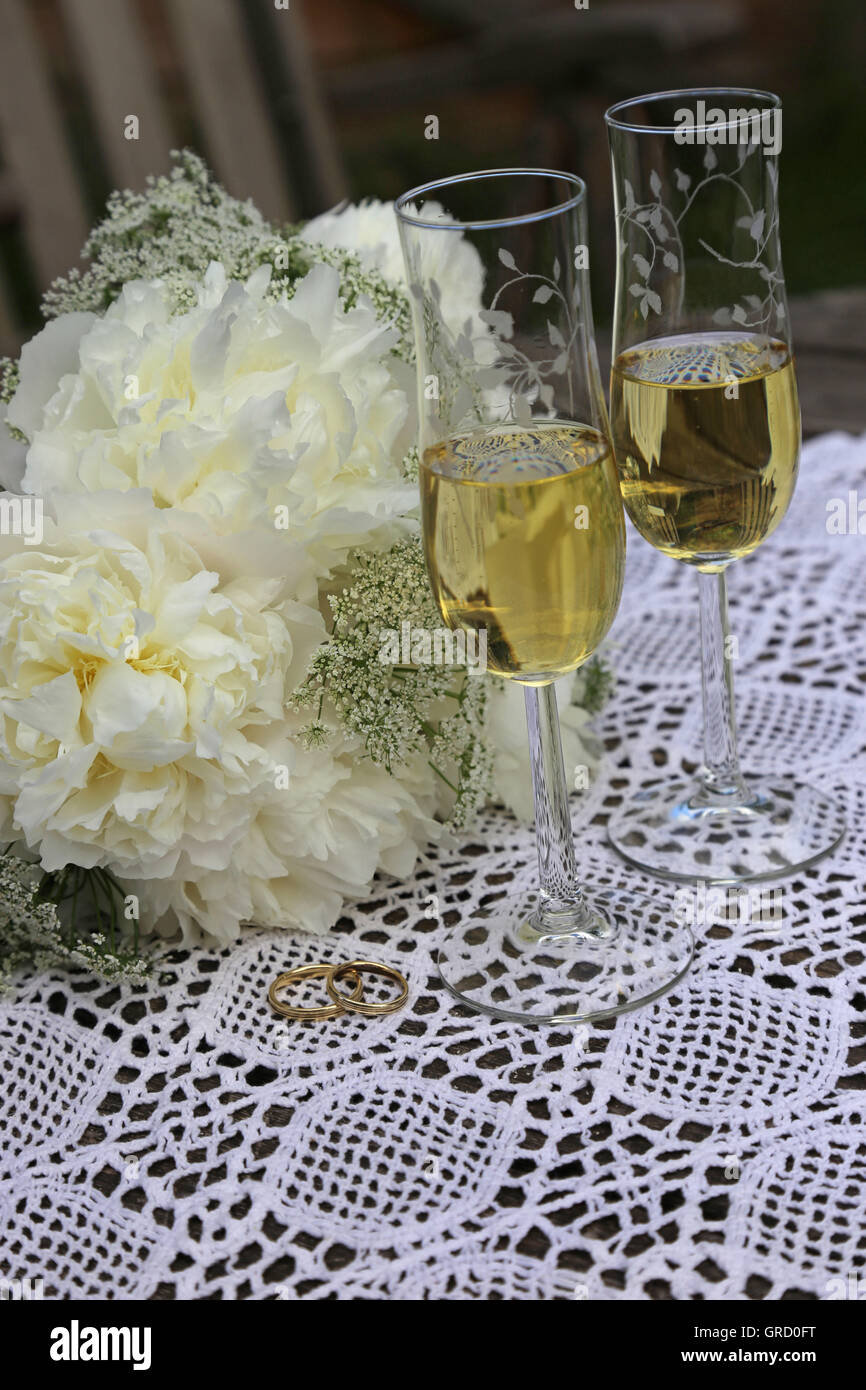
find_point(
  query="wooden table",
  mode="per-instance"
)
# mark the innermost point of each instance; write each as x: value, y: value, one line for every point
x: 830, y: 345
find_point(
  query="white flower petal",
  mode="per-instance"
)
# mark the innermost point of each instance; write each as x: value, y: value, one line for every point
x: 53, y: 707
x: 45, y: 360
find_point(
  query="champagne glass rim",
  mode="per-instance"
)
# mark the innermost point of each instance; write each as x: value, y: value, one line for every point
x: 401, y: 204
x: 613, y: 115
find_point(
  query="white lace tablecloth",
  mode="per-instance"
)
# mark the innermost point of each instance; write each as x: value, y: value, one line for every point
x: 177, y: 1141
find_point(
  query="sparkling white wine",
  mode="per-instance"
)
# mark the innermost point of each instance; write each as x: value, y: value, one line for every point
x: 525, y: 538
x: 706, y: 431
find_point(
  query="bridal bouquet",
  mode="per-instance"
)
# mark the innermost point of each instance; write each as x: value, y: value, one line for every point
x: 216, y: 709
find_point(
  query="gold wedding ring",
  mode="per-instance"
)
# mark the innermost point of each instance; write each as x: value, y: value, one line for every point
x: 350, y: 971
x: 313, y: 972
x: 355, y: 1004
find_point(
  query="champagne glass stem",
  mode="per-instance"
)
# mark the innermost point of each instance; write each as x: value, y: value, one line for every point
x: 562, y: 908
x: 720, y: 776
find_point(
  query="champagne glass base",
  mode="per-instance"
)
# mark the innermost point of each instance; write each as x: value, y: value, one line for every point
x: 676, y: 833
x: 500, y: 963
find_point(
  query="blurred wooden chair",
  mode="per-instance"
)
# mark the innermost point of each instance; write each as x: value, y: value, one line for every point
x: 68, y: 89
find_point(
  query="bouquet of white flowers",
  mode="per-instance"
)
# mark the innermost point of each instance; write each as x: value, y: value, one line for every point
x: 210, y: 526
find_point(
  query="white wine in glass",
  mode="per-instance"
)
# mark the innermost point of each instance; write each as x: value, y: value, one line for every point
x: 524, y: 534
x: 525, y: 540
x: 706, y: 474
x: 706, y: 429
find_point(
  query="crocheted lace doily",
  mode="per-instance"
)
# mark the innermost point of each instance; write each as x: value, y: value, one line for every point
x: 178, y: 1141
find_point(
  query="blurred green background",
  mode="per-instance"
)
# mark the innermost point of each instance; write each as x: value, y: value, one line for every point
x: 342, y: 90
x: 545, y: 101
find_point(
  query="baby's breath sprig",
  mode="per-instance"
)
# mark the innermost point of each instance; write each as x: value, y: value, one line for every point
x: 593, y: 684
x: 172, y: 231
x: 411, y: 464
x: 33, y: 932
x: 10, y: 372
x: 184, y: 220
x: 399, y: 709
x: 461, y: 739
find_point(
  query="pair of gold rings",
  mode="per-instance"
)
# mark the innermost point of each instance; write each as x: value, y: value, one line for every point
x: 351, y: 972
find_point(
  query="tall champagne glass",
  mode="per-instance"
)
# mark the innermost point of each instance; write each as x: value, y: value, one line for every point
x: 525, y: 542
x: 706, y: 429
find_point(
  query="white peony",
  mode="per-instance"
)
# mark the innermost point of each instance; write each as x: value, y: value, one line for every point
x: 370, y: 230
x: 144, y: 724
x: 246, y: 412
x: 205, y: 471
x: 307, y: 848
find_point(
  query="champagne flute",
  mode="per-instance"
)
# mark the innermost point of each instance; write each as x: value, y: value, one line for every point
x: 525, y: 542
x: 706, y: 430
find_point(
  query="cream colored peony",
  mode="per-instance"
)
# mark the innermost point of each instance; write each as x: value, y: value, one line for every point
x: 370, y: 230
x: 204, y: 473
x: 144, y: 724
x: 292, y: 414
